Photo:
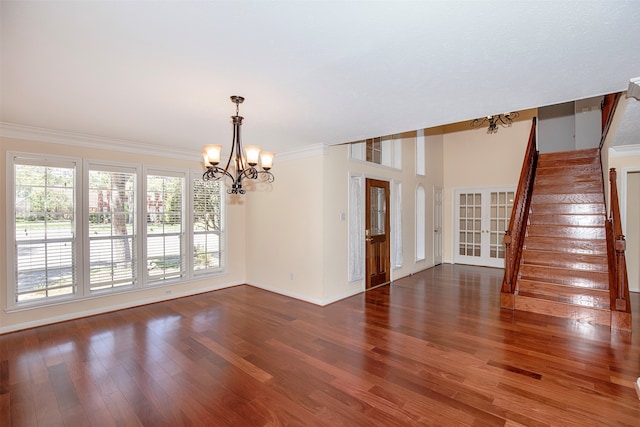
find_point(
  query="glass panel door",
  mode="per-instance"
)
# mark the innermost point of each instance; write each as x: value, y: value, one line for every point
x: 482, y: 216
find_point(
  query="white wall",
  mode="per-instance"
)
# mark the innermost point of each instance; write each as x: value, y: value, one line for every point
x: 20, y: 319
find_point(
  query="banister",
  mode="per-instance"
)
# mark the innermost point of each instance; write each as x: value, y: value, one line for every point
x: 609, y: 105
x: 514, y: 236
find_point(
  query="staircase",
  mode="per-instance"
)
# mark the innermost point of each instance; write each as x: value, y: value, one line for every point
x: 563, y: 268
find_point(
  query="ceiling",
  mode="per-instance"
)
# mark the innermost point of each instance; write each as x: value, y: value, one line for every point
x: 312, y: 72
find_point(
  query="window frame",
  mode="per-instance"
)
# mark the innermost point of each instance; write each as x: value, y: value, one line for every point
x: 81, y: 259
x: 105, y: 166
x: 17, y: 158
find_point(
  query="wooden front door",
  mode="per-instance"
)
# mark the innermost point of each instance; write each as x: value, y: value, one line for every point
x: 377, y: 242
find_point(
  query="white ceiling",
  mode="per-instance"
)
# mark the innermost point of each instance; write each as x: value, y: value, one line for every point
x: 312, y: 72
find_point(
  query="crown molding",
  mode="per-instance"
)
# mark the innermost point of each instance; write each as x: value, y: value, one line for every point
x: 11, y: 130
x: 624, y: 150
x: 304, y: 152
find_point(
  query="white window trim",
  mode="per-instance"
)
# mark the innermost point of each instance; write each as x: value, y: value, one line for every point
x: 82, y: 167
x: 92, y: 164
x: 223, y: 229
x: 14, y: 158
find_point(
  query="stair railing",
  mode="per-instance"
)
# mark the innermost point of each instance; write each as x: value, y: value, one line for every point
x: 514, y: 236
x: 616, y: 246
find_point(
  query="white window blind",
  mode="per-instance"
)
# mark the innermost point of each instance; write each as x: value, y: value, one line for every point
x: 112, y: 228
x: 208, y: 223
x: 45, y: 236
x: 165, y: 228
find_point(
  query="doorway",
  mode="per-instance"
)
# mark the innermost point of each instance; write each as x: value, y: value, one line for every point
x: 377, y: 242
x: 482, y: 216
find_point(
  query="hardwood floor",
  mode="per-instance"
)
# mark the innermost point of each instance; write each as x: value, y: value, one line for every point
x: 430, y: 349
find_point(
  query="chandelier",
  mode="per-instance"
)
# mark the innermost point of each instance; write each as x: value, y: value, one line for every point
x: 242, y: 163
x: 505, y: 120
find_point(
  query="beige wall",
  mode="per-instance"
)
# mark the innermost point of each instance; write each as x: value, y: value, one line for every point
x: 475, y: 159
x: 297, y: 232
x: 19, y: 319
x: 285, y: 235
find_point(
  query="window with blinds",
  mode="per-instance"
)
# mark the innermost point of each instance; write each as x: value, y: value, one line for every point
x: 208, y: 197
x: 45, y: 236
x: 86, y: 228
x: 165, y: 228
x: 112, y: 228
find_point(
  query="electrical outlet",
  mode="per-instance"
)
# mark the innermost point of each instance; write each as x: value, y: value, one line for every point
x: 291, y: 277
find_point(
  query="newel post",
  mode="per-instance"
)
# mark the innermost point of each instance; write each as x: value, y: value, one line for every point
x: 620, y: 246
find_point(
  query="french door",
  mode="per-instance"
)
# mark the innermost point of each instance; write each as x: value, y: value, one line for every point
x: 482, y: 216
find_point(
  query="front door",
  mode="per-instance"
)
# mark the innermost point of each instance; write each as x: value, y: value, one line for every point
x: 482, y: 216
x: 377, y: 242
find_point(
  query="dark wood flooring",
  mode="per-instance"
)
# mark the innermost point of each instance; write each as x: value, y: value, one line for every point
x: 430, y: 349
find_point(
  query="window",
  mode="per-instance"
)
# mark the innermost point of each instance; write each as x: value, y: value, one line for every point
x: 208, y: 221
x: 420, y: 153
x: 384, y: 151
x: 45, y: 242
x: 374, y: 150
x: 421, y: 219
x: 165, y: 228
x: 88, y: 228
x: 112, y: 228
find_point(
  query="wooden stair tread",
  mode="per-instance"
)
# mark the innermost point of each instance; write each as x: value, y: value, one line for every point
x: 575, y: 261
x: 571, y: 154
x: 567, y: 208
x: 566, y: 197
x: 559, y: 309
x: 587, y: 297
x: 585, y: 220
x: 570, y: 232
x: 567, y: 276
x: 576, y: 246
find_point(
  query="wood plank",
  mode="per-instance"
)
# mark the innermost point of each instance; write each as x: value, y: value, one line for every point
x: 433, y: 348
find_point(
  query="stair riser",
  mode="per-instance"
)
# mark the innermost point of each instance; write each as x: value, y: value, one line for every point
x: 568, y: 220
x: 560, y: 187
x: 584, y: 279
x: 564, y: 260
x: 566, y: 311
x: 589, y: 153
x: 566, y: 198
x: 595, y: 247
x: 565, y: 294
x: 545, y: 162
x: 569, y: 170
x: 566, y: 208
x: 585, y: 233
